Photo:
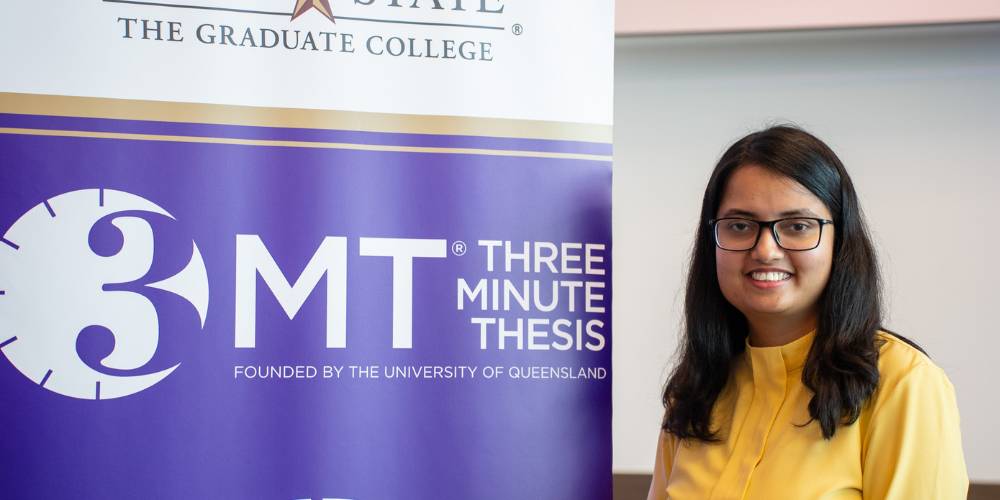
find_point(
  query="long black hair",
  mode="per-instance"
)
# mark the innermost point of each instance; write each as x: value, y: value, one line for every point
x: 842, y: 367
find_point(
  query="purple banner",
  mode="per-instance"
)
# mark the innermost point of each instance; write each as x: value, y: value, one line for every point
x: 366, y: 320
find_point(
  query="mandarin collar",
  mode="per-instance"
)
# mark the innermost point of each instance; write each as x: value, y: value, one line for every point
x: 790, y: 356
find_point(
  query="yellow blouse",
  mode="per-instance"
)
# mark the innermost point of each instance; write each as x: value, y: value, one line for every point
x: 906, y: 444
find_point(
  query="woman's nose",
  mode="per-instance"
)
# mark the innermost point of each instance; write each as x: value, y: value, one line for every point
x: 767, y: 248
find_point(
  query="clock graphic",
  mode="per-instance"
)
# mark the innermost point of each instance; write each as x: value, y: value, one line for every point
x: 54, y: 284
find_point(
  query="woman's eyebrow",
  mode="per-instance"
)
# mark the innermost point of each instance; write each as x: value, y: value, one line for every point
x: 798, y: 212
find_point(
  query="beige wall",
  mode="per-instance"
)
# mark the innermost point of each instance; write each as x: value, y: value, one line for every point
x: 914, y: 113
x: 685, y: 16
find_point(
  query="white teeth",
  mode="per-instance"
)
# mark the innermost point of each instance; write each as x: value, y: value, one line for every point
x: 770, y: 276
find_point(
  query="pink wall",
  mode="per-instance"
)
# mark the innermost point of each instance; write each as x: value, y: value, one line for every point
x: 683, y: 16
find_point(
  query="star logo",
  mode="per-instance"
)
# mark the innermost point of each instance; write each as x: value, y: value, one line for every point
x: 323, y: 6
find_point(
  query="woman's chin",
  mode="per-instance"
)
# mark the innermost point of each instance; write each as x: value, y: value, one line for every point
x: 766, y: 309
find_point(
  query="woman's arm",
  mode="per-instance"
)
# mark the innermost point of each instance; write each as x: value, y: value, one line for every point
x: 665, y: 448
x: 913, y: 446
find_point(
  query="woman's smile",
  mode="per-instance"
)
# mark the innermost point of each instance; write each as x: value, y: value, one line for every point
x: 768, y: 279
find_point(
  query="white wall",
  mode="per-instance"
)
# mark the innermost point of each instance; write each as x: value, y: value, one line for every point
x: 914, y: 113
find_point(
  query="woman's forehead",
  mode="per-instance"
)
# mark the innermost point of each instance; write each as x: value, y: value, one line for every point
x: 753, y: 191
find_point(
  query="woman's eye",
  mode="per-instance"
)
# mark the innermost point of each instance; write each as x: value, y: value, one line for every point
x: 798, y: 226
x: 739, y: 227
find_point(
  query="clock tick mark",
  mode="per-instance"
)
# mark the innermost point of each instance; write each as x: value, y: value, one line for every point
x: 9, y: 243
x: 45, y: 378
x: 49, y: 208
x: 8, y: 341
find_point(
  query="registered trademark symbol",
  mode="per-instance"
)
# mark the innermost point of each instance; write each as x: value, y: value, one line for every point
x: 517, y: 29
x: 458, y: 248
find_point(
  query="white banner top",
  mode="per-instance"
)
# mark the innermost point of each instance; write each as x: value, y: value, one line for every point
x: 390, y: 56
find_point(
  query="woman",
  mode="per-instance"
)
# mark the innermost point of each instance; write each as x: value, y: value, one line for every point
x: 787, y: 386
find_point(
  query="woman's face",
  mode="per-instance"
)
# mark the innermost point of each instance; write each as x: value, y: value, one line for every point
x: 756, y: 193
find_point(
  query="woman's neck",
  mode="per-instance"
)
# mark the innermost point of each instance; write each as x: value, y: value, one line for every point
x: 770, y: 331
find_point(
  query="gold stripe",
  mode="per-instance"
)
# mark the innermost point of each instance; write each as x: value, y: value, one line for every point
x: 299, y: 144
x: 128, y: 109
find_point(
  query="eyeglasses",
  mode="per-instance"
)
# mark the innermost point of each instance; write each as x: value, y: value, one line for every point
x: 796, y: 234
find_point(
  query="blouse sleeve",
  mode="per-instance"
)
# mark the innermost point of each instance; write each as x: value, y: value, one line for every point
x: 665, y: 448
x: 913, y: 446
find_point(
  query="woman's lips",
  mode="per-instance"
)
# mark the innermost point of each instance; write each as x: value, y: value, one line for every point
x: 772, y: 279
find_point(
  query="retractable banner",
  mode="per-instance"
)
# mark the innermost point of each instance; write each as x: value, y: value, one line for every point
x: 304, y: 249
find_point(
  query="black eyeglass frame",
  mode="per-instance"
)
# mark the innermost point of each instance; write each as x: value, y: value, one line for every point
x: 761, y: 224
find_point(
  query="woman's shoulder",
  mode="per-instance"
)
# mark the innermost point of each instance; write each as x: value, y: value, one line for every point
x: 912, y: 440
x: 903, y: 363
x: 896, y: 353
